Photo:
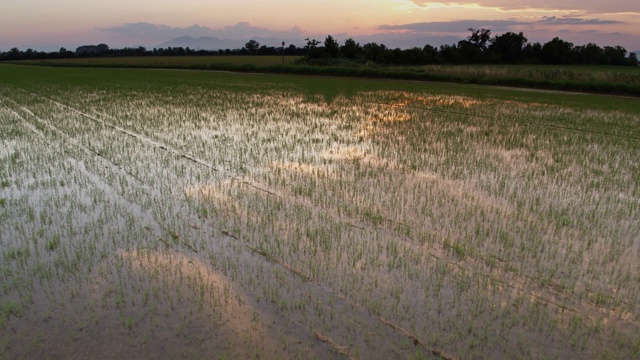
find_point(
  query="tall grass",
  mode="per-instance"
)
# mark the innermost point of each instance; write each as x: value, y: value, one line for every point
x: 596, y: 79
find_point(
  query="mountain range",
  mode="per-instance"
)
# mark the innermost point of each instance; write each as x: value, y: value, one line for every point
x: 214, y: 43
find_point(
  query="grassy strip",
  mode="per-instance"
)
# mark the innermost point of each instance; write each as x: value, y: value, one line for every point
x: 180, y: 61
x: 383, y: 73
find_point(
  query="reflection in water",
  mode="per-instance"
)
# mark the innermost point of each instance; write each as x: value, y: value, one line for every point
x: 383, y: 224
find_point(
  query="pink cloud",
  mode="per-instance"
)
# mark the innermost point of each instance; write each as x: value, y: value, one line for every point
x: 597, y: 6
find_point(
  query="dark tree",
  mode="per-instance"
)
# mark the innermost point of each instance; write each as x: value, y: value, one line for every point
x: 291, y: 50
x: 431, y: 54
x: 269, y: 50
x: 313, y: 51
x: 532, y: 53
x: 373, y: 52
x: 331, y: 47
x: 450, y: 54
x: 15, y: 54
x: 557, y: 51
x: 508, y: 47
x: 64, y: 53
x: 350, y: 49
x: 311, y: 43
x: 102, y: 48
x: 470, y: 52
x: 415, y: 56
x: 589, y: 54
x: 480, y: 37
x: 252, y: 46
x: 615, y: 55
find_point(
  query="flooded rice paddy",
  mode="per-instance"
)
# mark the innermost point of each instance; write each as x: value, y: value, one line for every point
x: 216, y: 220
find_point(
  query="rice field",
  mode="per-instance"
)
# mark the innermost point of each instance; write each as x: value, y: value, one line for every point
x: 173, y: 214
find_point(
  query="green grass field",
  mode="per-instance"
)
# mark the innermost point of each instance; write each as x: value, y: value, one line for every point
x: 168, y: 61
x: 617, y: 80
x: 161, y: 213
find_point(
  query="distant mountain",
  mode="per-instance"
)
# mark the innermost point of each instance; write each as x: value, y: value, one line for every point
x: 203, y: 43
x: 214, y: 43
x: 420, y: 42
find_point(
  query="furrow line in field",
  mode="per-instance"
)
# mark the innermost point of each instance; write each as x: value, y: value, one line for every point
x: 319, y: 289
x: 415, y: 340
x: 535, y: 290
x: 140, y: 137
x: 28, y: 125
x: 143, y: 217
x: 528, y: 123
x: 300, y: 274
x: 86, y: 149
x: 150, y: 222
x: 147, y: 220
x: 95, y: 179
x: 397, y: 328
x: 135, y: 135
x: 342, y: 350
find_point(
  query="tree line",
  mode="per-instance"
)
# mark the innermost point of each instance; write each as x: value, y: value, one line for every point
x: 479, y: 48
x: 103, y: 50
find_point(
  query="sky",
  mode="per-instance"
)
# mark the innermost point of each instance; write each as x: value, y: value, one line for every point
x: 47, y: 25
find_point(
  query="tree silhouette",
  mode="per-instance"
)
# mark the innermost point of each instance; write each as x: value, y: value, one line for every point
x: 480, y: 37
x: 615, y: 55
x: 350, y: 49
x: 252, y: 46
x: 373, y: 52
x: 589, y: 54
x: 331, y: 47
x: 557, y: 51
x: 311, y: 43
x: 470, y: 52
x: 509, y: 46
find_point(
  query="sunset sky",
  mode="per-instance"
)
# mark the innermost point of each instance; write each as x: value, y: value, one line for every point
x: 50, y: 24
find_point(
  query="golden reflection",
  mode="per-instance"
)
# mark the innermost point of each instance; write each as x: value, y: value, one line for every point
x: 236, y: 320
x: 391, y: 113
x: 305, y: 169
x: 224, y: 197
x: 174, y: 265
x: 393, y: 107
x: 345, y: 153
x: 363, y: 156
x: 211, y: 192
x: 465, y: 102
x: 398, y: 99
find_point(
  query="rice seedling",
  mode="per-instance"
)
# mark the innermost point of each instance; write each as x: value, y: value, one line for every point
x: 385, y: 221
